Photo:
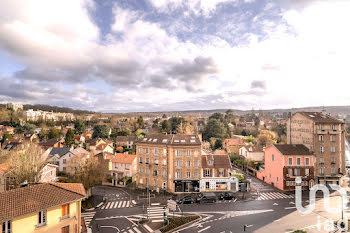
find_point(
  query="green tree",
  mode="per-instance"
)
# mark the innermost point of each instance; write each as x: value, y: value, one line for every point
x: 166, y: 127
x: 217, y: 116
x: 54, y: 133
x: 215, y: 129
x: 175, y: 122
x: 69, y: 139
x: 140, y: 122
x: 230, y: 116
x: 79, y: 126
x: 100, y: 131
x: 218, y: 144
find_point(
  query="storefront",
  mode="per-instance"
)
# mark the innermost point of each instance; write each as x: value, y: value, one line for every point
x: 186, y: 186
x: 218, y: 184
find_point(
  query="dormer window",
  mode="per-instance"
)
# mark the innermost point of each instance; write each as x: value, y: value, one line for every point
x: 210, y: 162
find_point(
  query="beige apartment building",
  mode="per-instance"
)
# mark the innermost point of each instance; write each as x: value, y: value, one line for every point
x: 325, y: 136
x: 169, y: 162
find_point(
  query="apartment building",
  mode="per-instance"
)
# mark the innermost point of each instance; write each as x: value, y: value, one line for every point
x: 325, y: 136
x: 169, y: 162
x: 285, y: 162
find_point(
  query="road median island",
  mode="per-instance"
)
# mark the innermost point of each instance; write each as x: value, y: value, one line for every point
x: 178, y: 222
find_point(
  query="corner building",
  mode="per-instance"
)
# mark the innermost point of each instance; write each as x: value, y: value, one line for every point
x: 325, y: 136
x: 169, y: 162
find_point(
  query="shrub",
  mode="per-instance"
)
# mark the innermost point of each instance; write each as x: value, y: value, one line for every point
x: 178, y: 221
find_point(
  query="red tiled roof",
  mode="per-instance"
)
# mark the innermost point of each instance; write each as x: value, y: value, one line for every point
x: 4, y: 167
x: 124, y: 158
x: 293, y: 149
x: 37, y: 197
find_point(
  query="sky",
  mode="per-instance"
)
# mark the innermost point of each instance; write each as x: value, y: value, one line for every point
x: 158, y: 55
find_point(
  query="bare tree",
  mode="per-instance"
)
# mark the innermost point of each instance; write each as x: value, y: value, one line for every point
x: 26, y: 163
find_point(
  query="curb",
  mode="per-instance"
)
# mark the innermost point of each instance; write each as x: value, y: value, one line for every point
x: 185, y: 225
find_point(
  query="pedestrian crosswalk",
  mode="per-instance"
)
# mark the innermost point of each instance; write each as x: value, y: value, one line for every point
x: 117, y: 204
x: 273, y: 195
x: 156, y: 213
x: 88, y: 216
x: 131, y: 230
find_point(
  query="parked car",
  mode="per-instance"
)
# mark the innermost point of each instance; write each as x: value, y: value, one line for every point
x: 186, y: 200
x: 226, y: 196
x: 206, y: 198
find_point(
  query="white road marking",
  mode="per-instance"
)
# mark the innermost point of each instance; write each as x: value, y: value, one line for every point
x: 204, y: 229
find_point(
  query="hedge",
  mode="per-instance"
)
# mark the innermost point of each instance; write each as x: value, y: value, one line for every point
x: 178, y: 221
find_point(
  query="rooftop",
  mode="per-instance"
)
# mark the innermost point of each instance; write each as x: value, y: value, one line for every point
x: 219, y: 161
x: 293, y: 149
x: 36, y: 197
x: 171, y: 139
x: 321, y: 117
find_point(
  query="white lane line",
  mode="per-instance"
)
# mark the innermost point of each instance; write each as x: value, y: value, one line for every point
x: 134, y: 202
x: 128, y: 204
x: 115, y: 204
x: 124, y: 203
x: 137, y: 230
x: 148, y: 228
x: 289, y: 208
x: 131, y: 231
x: 120, y: 204
x: 204, y: 229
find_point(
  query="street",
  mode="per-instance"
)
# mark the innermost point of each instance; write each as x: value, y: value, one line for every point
x: 270, y: 211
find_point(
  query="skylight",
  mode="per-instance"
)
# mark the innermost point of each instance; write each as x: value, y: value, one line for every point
x: 145, y: 139
x: 192, y: 141
x: 176, y: 140
x: 154, y: 140
x: 183, y: 140
x: 311, y: 115
x: 165, y: 140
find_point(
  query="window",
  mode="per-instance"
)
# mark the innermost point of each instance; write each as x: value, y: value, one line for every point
x: 322, y: 171
x: 146, y: 150
x: 178, y: 153
x: 206, y: 172
x: 276, y: 179
x: 321, y: 127
x: 188, y: 164
x: 155, y: 151
x: 332, y: 160
x: 7, y: 227
x: 332, y: 138
x: 195, y: 174
x: 307, y: 171
x: 140, y: 150
x: 140, y: 170
x: 332, y: 149
x: 178, y: 175
x: 164, y: 162
x: 155, y: 173
x: 332, y: 127
x: 195, y: 164
x: 64, y: 168
x: 332, y: 171
x: 42, y: 218
x: 188, y: 175
x: 65, y: 210
x: 221, y: 173
x: 210, y: 162
x: 156, y: 161
x: 155, y: 183
x: 164, y: 173
x: 164, y: 152
x: 140, y: 160
x: 269, y: 175
x: 320, y: 138
x: 178, y: 164
x: 290, y: 161
x: 290, y: 172
x: 273, y: 157
x: 298, y: 161
x: 147, y: 160
x: 188, y: 153
x: 196, y: 153
x: 307, y: 161
x: 297, y: 171
x: 64, y: 161
x: 141, y: 181
x: 321, y: 149
x: 147, y: 171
